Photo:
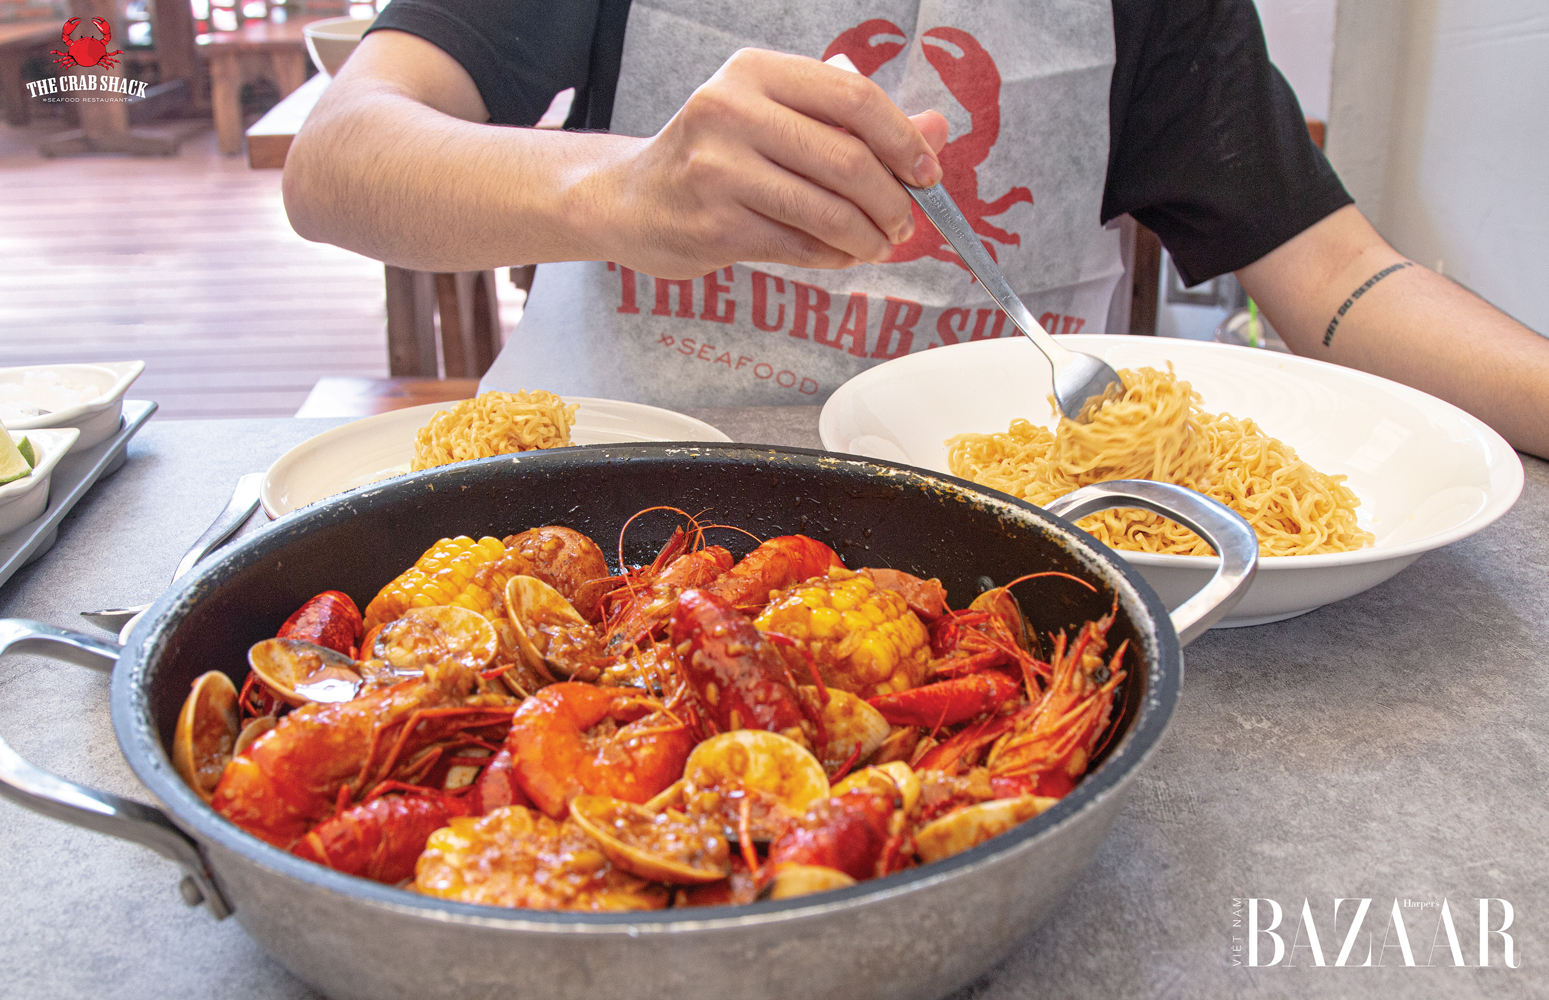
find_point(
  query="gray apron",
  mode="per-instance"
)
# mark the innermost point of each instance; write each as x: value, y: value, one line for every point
x: 1024, y: 88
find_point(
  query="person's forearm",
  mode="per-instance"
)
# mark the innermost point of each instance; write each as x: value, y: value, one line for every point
x: 1409, y: 324
x: 775, y: 158
x: 386, y: 176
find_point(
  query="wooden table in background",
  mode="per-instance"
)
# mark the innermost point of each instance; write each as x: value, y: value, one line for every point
x: 285, y: 48
x: 16, y: 41
x: 349, y: 396
x: 105, y: 126
x: 268, y: 139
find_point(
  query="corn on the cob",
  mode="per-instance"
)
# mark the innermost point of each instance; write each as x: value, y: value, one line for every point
x: 447, y: 574
x: 864, y: 640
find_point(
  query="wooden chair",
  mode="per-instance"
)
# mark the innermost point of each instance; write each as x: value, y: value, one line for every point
x: 257, y: 48
x: 470, y: 321
x: 466, y: 302
x: 470, y: 339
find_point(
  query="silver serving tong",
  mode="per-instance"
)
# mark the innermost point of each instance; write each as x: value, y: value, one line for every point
x: 1079, y: 379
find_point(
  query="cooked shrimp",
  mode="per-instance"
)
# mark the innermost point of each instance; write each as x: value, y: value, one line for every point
x: 572, y: 739
x: 561, y: 557
x: 774, y: 565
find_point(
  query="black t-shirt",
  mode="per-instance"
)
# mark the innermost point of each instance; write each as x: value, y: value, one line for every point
x: 1207, y: 144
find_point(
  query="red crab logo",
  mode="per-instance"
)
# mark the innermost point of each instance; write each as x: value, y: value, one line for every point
x: 87, y: 51
x: 971, y: 75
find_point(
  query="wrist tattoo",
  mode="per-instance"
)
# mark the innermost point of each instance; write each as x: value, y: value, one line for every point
x: 1333, y: 324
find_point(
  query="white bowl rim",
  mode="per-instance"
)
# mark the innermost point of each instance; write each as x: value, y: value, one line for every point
x: 124, y: 373
x: 328, y: 28
x: 302, y: 453
x: 1499, y: 451
x: 54, y: 443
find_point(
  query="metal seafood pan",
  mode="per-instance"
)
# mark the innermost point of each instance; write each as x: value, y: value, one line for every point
x: 918, y: 933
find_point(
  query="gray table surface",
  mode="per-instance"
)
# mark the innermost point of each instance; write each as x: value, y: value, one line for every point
x: 1391, y: 747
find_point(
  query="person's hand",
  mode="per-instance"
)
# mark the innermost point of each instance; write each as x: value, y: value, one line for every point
x: 776, y: 158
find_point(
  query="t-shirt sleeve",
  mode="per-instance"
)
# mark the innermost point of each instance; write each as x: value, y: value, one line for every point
x: 520, y: 53
x: 1208, y: 146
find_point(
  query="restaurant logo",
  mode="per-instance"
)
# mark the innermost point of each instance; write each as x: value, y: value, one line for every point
x: 970, y: 74
x: 1413, y: 933
x: 87, y: 51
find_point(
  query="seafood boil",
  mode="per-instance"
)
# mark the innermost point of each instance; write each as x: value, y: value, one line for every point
x: 510, y: 722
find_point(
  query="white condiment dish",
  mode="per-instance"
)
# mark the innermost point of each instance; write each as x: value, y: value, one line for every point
x: 24, y: 500
x: 97, y: 418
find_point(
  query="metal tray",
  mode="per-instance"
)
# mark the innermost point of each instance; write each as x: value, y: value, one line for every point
x: 73, y: 476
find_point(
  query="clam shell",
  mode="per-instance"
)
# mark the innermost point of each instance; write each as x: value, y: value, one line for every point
x: 755, y: 760
x: 302, y: 672
x: 972, y: 825
x: 206, y: 732
x: 661, y: 846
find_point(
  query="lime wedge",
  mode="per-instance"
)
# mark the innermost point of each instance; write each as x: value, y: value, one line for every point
x: 24, y: 446
x: 12, y: 465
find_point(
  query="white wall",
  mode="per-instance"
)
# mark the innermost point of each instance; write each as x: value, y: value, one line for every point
x: 1439, y: 126
x: 1300, y: 34
x: 1438, y: 123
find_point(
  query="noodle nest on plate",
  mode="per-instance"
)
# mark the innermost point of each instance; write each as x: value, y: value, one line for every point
x: 1157, y: 431
x: 494, y: 423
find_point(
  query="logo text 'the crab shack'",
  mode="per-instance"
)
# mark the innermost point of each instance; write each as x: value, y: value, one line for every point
x: 87, y: 50
x: 101, y: 84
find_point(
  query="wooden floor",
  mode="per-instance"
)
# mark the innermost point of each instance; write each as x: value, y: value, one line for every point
x: 187, y: 263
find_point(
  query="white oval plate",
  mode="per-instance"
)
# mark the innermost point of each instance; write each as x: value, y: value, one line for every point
x: 1427, y: 472
x: 380, y: 447
x: 97, y: 419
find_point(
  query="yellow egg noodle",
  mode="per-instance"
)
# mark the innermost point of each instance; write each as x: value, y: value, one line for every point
x: 494, y: 423
x: 1157, y: 430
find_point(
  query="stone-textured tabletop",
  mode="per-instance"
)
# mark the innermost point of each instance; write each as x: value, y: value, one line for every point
x: 1392, y: 748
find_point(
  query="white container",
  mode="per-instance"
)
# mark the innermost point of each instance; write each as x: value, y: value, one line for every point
x: 331, y: 40
x: 24, y: 500
x: 97, y: 418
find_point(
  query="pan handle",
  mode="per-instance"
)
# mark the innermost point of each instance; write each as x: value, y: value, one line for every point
x: 1225, y: 530
x: 100, y: 811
